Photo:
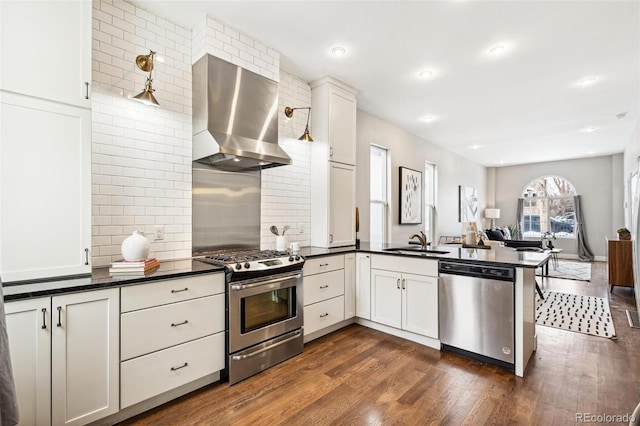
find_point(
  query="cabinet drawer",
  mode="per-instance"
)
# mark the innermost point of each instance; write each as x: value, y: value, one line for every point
x: 152, y: 329
x: 323, y: 264
x: 325, y: 286
x: 323, y: 314
x: 405, y: 264
x: 169, y: 291
x: 156, y: 373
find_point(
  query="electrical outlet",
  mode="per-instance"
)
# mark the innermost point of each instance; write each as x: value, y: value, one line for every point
x: 158, y: 232
x: 301, y: 228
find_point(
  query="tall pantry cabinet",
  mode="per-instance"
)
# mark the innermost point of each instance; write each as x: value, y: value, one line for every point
x: 333, y: 163
x: 45, y: 139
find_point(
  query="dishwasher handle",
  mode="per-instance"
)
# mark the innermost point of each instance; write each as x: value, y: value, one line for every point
x: 501, y: 273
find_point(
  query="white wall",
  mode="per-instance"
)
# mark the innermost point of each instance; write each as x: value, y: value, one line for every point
x: 141, y: 164
x: 408, y: 150
x: 631, y: 162
x: 596, y: 179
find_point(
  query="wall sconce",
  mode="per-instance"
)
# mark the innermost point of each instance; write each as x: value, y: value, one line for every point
x: 145, y: 63
x: 288, y: 111
x: 492, y: 214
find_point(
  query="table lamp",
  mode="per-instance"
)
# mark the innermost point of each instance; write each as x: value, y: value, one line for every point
x: 492, y: 214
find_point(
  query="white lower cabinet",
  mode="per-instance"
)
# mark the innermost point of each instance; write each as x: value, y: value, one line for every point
x: 349, y: 285
x: 406, y: 301
x: 363, y: 285
x: 323, y: 292
x: 64, y: 352
x: 172, y: 334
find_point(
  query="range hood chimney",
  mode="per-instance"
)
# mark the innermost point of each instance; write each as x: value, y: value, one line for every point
x: 235, y: 117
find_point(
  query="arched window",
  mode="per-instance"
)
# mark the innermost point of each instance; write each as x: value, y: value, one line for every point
x: 549, y: 208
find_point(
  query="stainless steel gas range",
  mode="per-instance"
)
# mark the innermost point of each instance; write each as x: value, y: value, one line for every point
x: 264, y: 309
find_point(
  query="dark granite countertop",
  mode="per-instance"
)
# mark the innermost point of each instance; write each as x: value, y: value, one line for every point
x: 100, y: 279
x: 496, y: 255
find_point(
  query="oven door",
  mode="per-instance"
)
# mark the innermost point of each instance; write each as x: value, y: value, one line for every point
x: 262, y: 309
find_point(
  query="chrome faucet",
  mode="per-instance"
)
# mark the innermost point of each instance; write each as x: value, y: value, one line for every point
x: 422, y: 238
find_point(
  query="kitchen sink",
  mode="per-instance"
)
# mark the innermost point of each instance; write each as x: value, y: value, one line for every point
x: 415, y: 250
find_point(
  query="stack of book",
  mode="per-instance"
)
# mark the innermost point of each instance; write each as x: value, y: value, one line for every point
x: 139, y: 268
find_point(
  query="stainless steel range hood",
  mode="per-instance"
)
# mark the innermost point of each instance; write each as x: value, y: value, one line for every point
x: 235, y: 119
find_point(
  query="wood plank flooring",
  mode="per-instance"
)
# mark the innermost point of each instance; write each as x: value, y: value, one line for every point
x: 359, y: 376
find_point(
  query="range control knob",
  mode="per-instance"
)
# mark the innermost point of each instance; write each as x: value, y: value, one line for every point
x: 238, y: 266
x: 247, y: 265
x: 297, y: 257
x: 290, y: 258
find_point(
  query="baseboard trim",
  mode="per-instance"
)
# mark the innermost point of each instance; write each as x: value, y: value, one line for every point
x: 417, y: 338
x: 323, y: 332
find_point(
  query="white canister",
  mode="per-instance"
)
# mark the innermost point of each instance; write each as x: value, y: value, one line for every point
x: 281, y: 243
x: 135, y: 247
x: 295, y: 248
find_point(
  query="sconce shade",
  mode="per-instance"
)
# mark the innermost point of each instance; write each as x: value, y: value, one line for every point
x: 146, y: 97
x: 288, y: 111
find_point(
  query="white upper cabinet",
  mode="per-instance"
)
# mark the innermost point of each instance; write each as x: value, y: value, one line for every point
x: 334, y: 120
x: 46, y: 50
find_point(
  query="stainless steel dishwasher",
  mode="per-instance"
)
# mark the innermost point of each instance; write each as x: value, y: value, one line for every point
x: 476, y: 311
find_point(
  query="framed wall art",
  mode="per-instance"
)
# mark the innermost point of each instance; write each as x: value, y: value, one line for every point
x: 410, y: 196
x: 468, y: 204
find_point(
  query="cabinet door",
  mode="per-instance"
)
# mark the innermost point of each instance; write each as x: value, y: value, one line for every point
x: 45, y: 188
x: 363, y: 286
x: 342, y: 127
x: 386, y: 298
x: 420, y: 304
x: 349, y: 285
x: 85, y: 356
x: 46, y: 49
x: 342, y: 205
x: 29, y: 330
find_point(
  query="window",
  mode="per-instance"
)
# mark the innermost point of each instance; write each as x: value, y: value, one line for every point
x: 430, y: 185
x: 549, y: 208
x: 379, y: 196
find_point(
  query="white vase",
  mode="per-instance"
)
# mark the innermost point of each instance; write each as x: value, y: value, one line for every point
x: 135, y: 247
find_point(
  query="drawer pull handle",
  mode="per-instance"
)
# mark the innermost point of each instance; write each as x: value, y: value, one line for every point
x: 324, y: 315
x: 178, y: 368
x: 324, y: 264
x: 44, y: 318
x: 324, y: 286
x: 178, y: 291
x: 59, y: 324
x: 176, y: 324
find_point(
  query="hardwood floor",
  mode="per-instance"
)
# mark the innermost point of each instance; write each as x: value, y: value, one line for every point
x: 359, y: 376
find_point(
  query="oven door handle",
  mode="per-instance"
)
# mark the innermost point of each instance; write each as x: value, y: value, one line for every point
x: 239, y: 287
x: 296, y: 334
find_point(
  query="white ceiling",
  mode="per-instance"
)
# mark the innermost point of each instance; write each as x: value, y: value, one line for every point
x: 522, y: 106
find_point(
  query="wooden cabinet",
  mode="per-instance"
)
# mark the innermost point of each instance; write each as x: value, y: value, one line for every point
x: 46, y: 50
x: 401, y: 298
x: 45, y: 188
x: 333, y: 109
x: 333, y: 164
x: 66, y: 373
x: 620, y: 262
x: 45, y: 138
x: 172, y: 334
x: 363, y: 285
x: 349, y: 285
x: 324, y: 292
x: 29, y: 330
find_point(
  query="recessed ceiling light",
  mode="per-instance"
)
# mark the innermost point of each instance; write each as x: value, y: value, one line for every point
x: 587, y: 81
x: 497, y: 50
x: 425, y: 74
x: 590, y: 129
x: 338, y: 51
x: 427, y: 118
x: 621, y: 115
x: 475, y: 146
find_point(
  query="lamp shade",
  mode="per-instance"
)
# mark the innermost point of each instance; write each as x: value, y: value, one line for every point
x: 492, y: 213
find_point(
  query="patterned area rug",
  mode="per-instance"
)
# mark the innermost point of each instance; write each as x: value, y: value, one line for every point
x: 583, y: 314
x: 569, y: 270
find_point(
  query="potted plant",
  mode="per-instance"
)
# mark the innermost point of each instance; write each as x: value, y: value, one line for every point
x: 624, y: 234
